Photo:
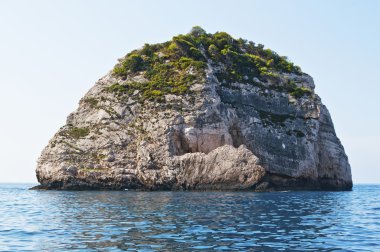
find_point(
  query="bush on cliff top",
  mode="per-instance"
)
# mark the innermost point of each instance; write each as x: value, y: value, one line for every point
x: 172, y: 67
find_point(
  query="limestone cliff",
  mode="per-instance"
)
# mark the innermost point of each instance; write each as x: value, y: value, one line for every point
x: 202, y: 111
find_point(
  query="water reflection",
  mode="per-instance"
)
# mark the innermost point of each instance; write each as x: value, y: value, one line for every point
x: 167, y: 221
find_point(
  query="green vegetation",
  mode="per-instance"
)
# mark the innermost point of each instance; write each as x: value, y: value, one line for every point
x: 295, y: 91
x: 132, y: 63
x: 117, y: 88
x: 172, y: 67
x: 77, y: 132
x: 300, y: 91
x: 93, y: 102
x: 197, y: 31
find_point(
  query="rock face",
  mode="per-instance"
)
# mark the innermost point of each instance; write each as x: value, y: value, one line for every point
x: 202, y: 111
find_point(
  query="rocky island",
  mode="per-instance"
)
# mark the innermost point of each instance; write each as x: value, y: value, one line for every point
x: 199, y: 112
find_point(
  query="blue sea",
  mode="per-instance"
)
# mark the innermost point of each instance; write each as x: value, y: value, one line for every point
x: 189, y: 221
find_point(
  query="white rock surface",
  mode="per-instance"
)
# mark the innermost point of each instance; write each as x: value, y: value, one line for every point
x: 223, y: 137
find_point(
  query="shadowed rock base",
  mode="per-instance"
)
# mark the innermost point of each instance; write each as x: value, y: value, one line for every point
x: 288, y: 184
x: 273, y: 182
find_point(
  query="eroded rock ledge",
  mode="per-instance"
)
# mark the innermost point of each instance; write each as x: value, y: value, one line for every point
x: 200, y: 112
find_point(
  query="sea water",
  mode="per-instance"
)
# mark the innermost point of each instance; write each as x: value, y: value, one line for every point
x: 189, y: 221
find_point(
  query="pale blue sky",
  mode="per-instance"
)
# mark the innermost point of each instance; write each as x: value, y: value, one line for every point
x: 52, y: 52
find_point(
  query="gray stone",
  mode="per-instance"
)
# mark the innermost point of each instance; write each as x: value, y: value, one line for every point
x: 236, y: 136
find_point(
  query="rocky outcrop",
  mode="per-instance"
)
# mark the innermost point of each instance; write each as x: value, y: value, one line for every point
x: 193, y: 116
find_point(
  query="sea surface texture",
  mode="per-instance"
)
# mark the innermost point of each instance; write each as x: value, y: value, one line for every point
x: 189, y: 221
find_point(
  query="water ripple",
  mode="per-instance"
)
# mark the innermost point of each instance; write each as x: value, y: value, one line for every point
x: 189, y: 221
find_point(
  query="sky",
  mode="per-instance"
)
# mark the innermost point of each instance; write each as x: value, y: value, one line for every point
x: 53, y: 51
